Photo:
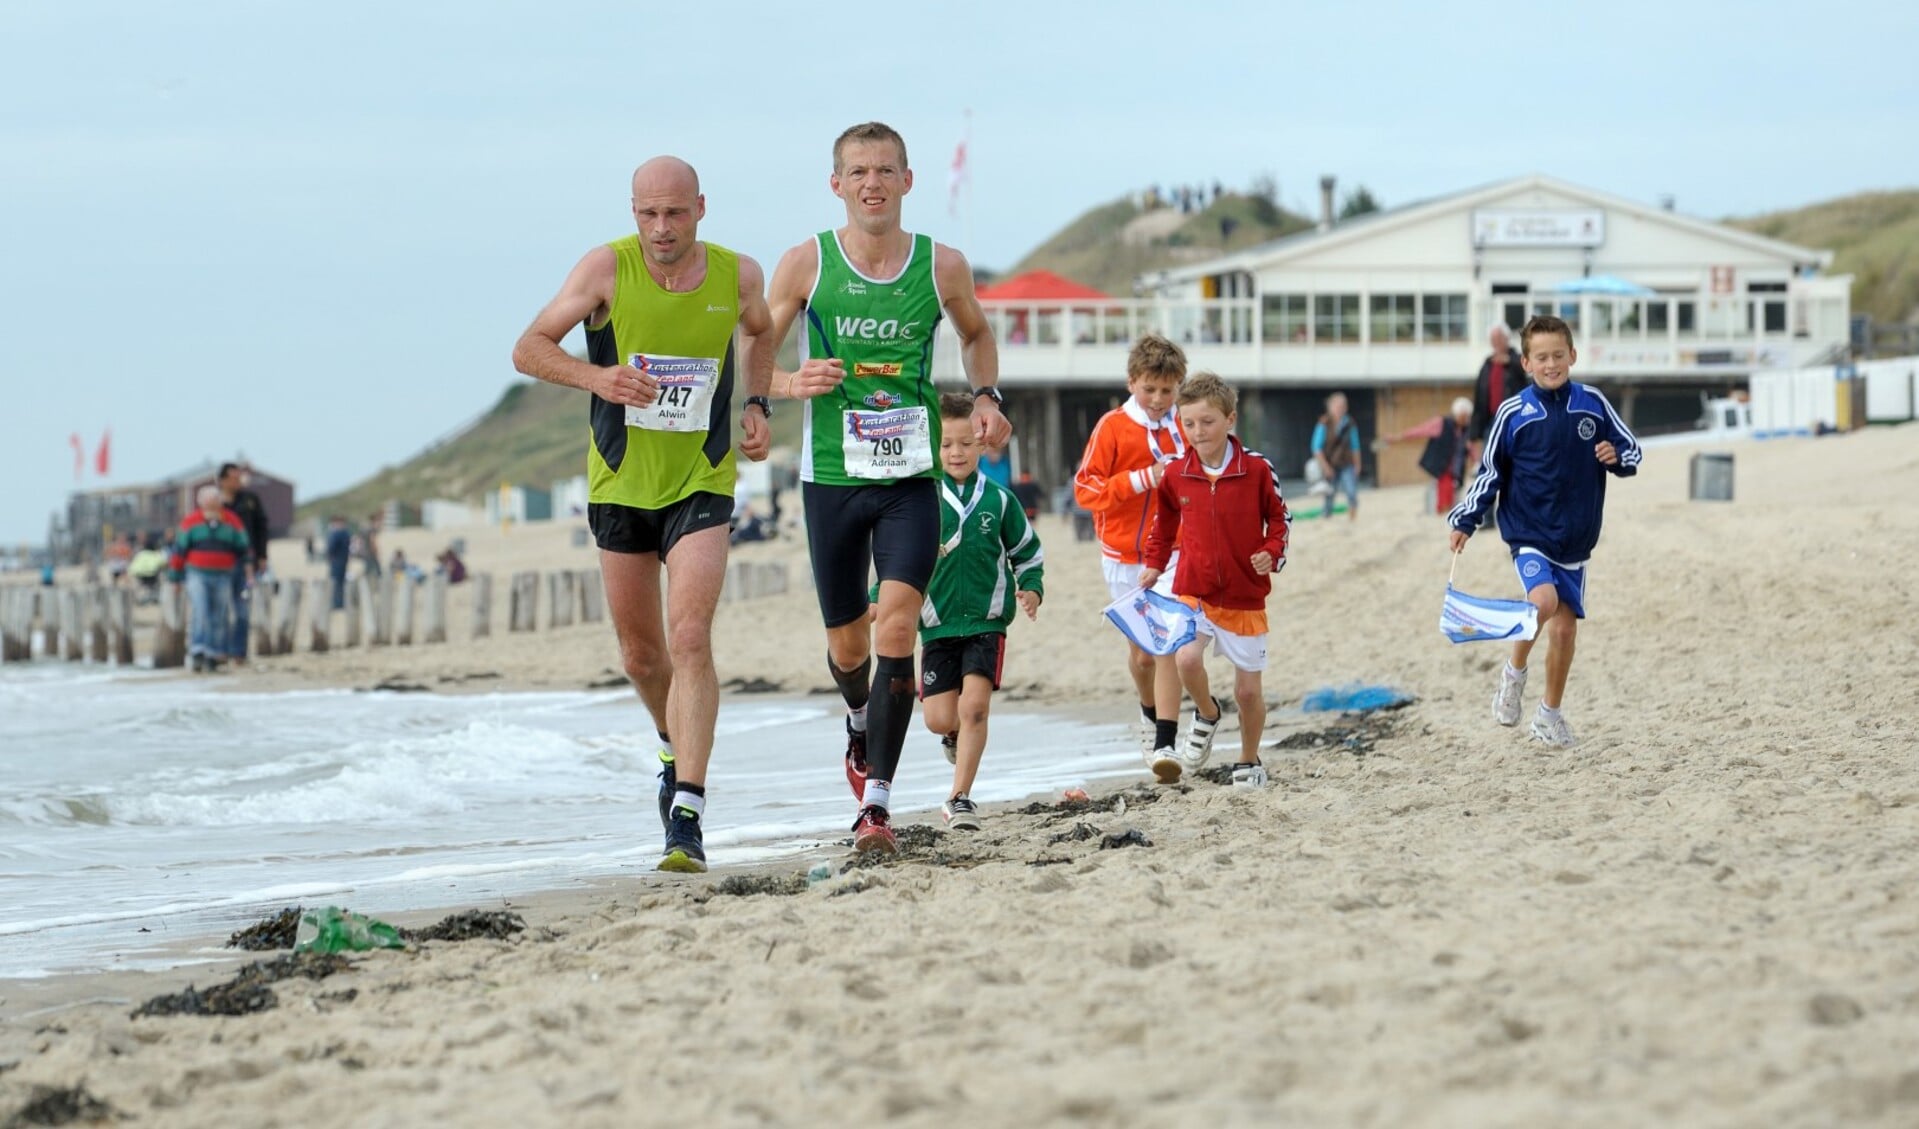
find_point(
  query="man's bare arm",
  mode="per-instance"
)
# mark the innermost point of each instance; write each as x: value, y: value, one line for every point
x: 979, y: 353
x: 756, y: 438
x: 785, y: 297
x: 585, y: 294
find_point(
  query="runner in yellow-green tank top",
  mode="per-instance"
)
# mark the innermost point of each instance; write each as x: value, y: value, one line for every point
x: 872, y: 297
x: 661, y: 310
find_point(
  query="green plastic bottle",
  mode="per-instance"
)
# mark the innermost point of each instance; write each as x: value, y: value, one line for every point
x: 331, y: 929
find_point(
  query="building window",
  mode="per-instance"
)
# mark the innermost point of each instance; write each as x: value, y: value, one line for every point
x: 1336, y: 317
x: 1442, y: 317
x: 1768, y: 303
x: 1284, y: 318
x: 1392, y: 317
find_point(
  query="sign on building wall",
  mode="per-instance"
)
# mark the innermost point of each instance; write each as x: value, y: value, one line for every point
x: 1539, y: 227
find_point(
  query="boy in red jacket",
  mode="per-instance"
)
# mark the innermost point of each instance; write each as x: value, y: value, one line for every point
x: 1221, y: 503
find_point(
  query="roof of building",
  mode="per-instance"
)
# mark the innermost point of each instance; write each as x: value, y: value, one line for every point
x: 1380, y: 222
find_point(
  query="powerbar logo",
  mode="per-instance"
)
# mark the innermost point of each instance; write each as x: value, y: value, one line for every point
x: 876, y: 368
x: 873, y: 329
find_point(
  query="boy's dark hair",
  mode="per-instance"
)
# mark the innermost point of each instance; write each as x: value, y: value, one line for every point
x: 869, y: 131
x: 1544, y: 323
x: 1155, y: 355
x: 956, y: 405
x: 1209, y: 387
x: 226, y: 469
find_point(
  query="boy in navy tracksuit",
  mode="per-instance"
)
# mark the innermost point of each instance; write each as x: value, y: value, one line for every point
x: 1547, y: 455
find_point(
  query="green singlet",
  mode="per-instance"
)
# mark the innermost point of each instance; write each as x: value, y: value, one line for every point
x: 882, y: 423
x: 681, y: 444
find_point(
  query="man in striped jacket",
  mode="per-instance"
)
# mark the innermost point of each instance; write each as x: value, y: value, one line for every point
x: 210, y: 544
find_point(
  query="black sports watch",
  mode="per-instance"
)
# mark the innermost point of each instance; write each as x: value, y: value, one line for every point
x: 990, y: 393
x: 765, y: 405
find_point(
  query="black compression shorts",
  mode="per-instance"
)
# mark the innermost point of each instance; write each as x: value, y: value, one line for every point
x: 625, y: 529
x: 892, y: 530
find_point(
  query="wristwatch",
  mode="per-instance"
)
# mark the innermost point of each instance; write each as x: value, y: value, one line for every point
x: 765, y: 405
x: 990, y: 393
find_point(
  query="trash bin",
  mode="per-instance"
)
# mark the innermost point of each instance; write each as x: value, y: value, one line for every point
x: 1711, y: 477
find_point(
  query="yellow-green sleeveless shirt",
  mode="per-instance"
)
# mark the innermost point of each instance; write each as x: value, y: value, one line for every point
x: 882, y: 423
x: 652, y: 458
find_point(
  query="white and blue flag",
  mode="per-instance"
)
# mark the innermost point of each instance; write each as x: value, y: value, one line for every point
x: 1476, y: 619
x: 1157, y: 624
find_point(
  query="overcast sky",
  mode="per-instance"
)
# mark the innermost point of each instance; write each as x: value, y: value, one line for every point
x: 310, y: 233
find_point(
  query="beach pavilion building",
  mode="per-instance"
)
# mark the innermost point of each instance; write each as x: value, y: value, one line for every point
x: 1394, y: 307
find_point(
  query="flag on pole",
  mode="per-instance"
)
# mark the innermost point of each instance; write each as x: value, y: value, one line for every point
x: 1158, y: 625
x: 1477, y: 619
x: 100, y: 458
x: 79, y: 455
x: 958, y: 174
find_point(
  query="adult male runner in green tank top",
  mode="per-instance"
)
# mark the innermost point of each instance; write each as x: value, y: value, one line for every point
x: 872, y: 295
x: 660, y: 310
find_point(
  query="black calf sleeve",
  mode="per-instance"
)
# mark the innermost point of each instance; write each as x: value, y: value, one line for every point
x: 855, y: 685
x: 894, y: 692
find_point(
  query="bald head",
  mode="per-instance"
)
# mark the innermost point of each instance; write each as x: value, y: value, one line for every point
x: 665, y: 174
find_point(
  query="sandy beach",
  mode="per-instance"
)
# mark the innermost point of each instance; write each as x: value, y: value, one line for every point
x: 1703, y: 914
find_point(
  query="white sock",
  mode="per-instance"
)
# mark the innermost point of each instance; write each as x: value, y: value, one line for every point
x: 690, y: 801
x: 1547, y: 712
x: 857, y: 719
x: 878, y: 794
x: 1511, y: 673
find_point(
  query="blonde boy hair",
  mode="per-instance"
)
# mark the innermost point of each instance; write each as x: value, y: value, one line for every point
x: 1209, y: 387
x: 1155, y: 355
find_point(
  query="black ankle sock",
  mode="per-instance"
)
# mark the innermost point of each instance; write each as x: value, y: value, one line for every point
x: 894, y: 692
x: 855, y: 685
x: 1165, y: 734
x: 1149, y: 713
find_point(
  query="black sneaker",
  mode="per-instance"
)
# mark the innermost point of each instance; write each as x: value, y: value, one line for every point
x: 669, y: 783
x: 960, y: 813
x: 685, y: 852
x: 856, y: 761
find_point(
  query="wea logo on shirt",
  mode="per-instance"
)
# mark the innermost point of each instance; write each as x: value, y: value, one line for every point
x: 874, y: 329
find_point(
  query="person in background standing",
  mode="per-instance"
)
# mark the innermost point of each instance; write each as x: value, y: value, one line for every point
x: 209, y: 546
x: 1336, y: 450
x: 251, y: 515
x: 1446, y: 453
x: 1501, y: 377
x: 339, y: 553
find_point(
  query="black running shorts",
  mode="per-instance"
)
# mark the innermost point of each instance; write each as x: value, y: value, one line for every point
x: 625, y: 529
x: 946, y: 662
x: 892, y: 530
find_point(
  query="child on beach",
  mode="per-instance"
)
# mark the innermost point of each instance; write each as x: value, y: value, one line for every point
x: 1125, y: 458
x: 1221, y: 503
x: 990, y: 559
x: 989, y: 563
x: 1547, y: 455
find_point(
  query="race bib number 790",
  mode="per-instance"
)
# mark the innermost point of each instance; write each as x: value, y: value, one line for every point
x: 887, y: 444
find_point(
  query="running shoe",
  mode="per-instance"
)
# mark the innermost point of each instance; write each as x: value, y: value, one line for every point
x: 1166, y: 765
x: 669, y: 783
x: 685, y: 852
x: 1199, y: 738
x: 949, y: 745
x: 856, y: 760
x: 873, y: 831
x: 1553, y: 730
x: 1512, y: 684
x: 1249, y: 775
x: 960, y: 813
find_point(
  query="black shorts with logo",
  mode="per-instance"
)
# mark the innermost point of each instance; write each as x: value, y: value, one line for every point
x: 626, y: 529
x: 892, y: 529
x: 947, y: 662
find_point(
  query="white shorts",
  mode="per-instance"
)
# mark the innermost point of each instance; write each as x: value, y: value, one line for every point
x: 1124, y: 578
x: 1245, y: 652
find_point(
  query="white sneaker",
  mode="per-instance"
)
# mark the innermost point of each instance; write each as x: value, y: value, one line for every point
x: 1147, y: 733
x: 1553, y: 730
x: 1166, y: 765
x: 1249, y: 775
x: 1199, y: 738
x: 1512, y: 686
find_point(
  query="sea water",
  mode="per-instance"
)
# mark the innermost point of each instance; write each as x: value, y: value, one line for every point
x: 141, y: 809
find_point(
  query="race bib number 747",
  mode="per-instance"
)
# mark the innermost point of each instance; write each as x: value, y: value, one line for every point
x: 686, y: 392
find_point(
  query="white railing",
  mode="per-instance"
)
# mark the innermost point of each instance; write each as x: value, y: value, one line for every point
x: 1700, y: 332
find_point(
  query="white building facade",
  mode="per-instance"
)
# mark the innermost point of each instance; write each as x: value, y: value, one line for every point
x: 1393, y: 308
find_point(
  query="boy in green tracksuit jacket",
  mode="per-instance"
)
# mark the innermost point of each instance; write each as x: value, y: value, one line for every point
x: 989, y: 560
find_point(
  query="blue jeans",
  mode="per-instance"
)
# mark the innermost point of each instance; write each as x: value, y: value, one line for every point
x: 1345, y: 481
x: 242, y: 616
x: 337, y: 571
x: 210, y: 597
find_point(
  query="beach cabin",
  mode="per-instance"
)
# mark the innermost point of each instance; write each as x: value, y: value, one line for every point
x: 1393, y: 308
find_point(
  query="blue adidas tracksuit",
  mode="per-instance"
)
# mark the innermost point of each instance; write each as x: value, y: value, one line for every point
x: 1539, y: 465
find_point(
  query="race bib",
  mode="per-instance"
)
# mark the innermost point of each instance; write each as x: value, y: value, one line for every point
x: 897, y: 443
x: 686, y: 392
